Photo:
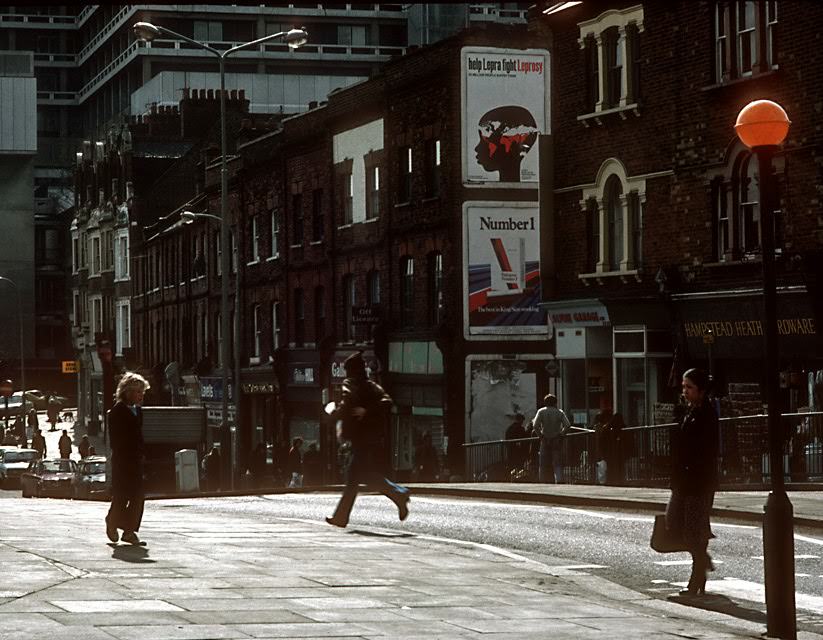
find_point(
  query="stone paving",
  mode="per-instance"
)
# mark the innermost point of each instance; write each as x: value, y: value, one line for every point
x: 202, y: 576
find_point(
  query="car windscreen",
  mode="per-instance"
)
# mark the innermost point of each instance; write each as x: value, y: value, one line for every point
x: 18, y: 456
x: 94, y: 468
x: 56, y: 466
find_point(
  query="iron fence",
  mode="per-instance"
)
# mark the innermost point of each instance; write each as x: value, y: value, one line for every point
x: 642, y: 454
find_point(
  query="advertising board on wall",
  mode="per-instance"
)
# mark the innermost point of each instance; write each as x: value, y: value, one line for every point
x: 501, y: 275
x: 505, y: 105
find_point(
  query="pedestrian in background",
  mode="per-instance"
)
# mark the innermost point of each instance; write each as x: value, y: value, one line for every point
x: 294, y: 464
x: 694, y: 477
x: 53, y: 412
x: 32, y: 420
x: 616, y: 442
x: 125, y: 420
x: 257, y: 466
x: 425, y: 459
x: 83, y: 447
x: 550, y: 425
x: 64, y: 445
x: 212, y: 470
x: 364, y: 411
x: 38, y: 443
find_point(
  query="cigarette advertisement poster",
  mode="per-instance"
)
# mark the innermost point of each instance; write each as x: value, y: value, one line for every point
x: 505, y: 106
x: 502, y: 270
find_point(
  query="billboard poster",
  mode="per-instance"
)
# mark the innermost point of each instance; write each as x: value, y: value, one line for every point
x: 499, y: 389
x: 505, y: 94
x: 502, y: 270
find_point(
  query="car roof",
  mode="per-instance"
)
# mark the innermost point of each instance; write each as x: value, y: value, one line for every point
x: 94, y: 459
x: 18, y: 449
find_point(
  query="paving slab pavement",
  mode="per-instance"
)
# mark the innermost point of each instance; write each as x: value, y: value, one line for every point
x: 203, y: 576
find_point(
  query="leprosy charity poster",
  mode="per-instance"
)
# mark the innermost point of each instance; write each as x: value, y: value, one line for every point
x: 505, y: 105
x: 502, y: 270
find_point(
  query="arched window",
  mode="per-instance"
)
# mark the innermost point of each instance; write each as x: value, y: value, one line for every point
x: 613, y: 204
x: 407, y: 291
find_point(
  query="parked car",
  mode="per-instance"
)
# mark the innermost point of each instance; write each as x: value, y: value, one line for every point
x: 14, y: 405
x: 41, y: 399
x: 46, y: 478
x: 90, y: 479
x: 13, y: 463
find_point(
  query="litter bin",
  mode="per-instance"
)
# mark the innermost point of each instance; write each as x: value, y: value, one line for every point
x: 186, y: 471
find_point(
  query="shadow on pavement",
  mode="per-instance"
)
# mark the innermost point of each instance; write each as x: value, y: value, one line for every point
x: 130, y: 553
x: 379, y: 534
x: 720, y: 604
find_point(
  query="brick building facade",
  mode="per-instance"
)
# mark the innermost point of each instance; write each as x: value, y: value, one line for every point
x: 663, y: 199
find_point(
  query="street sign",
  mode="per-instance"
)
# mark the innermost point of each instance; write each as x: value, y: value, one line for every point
x: 6, y: 388
x: 553, y: 368
x: 69, y: 366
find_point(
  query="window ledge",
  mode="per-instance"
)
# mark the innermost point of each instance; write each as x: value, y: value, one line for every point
x: 401, y: 205
x: 296, y: 246
x: 428, y: 199
x: 371, y: 220
x: 253, y: 262
x: 315, y: 243
x: 596, y: 117
x: 273, y: 258
x: 347, y: 225
x: 738, y: 262
x: 735, y: 81
x: 601, y: 276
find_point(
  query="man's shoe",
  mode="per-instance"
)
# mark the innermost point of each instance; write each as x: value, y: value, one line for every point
x: 111, y: 532
x: 403, y: 508
x: 337, y: 523
x: 130, y: 537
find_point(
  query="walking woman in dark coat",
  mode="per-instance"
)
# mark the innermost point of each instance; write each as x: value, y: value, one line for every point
x: 126, y: 437
x: 694, y: 477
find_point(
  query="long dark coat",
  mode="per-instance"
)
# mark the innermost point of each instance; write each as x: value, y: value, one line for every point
x: 369, y: 434
x: 694, y: 475
x: 126, y: 438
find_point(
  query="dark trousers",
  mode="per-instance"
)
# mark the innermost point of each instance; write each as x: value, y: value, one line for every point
x: 126, y: 510
x: 360, y: 473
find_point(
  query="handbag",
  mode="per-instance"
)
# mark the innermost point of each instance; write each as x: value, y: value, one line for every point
x: 665, y: 540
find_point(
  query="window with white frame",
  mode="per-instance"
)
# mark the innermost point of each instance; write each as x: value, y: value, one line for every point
x: 406, y: 291
x: 123, y: 325
x: 611, y: 43
x: 276, y: 325
x: 348, y: 197
x: 735, y: 197
x: 613, y: 208
x: 75, y: 253
x: 76, y: 310
x: 96, y: 313
x: 275, y: 234
x: 255, y: 240
x: 373, y: 190
x: 404, y: 174
x: 257, y: 321
x: 121, y: 256
x: 745, y: 37
x: 96, y: 256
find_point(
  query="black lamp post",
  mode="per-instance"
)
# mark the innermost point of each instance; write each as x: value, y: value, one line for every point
x: 762, y: 125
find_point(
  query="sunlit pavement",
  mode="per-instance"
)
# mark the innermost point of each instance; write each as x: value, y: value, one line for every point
x: 206, y: 575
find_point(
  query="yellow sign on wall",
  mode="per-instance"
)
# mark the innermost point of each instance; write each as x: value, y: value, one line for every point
x: 70, y: 366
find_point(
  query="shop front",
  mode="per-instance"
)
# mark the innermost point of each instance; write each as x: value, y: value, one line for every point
x: 302, y: 406
x: 583, y: 348
x: 723, y: 332
x: 259, y: 409
x: 211, y: 397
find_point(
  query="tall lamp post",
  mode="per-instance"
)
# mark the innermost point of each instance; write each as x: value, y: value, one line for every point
x: 762, y: 125
x: 22, y: 354
x: 146, y: 31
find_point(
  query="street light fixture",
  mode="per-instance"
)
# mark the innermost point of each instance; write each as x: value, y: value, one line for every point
x: 146, y: 31
x: 22, y: 354
x: 762, y: 125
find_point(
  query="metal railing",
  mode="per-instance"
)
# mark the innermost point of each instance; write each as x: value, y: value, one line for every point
x: 642, y: 455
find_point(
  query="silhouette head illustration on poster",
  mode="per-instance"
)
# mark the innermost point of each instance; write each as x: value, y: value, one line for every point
x: 507, y: 134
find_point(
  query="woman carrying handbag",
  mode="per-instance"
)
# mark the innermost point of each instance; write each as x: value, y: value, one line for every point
x: 694, y: 477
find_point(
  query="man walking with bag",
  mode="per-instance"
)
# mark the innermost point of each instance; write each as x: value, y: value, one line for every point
x: 364, y: 410
x: 550, y: 423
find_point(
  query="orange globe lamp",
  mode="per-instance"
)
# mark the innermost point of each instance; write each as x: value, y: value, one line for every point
x: 762, y: 123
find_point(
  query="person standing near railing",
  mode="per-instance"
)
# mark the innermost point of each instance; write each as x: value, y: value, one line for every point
x: 550, y: 424
x: 694, y: 477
